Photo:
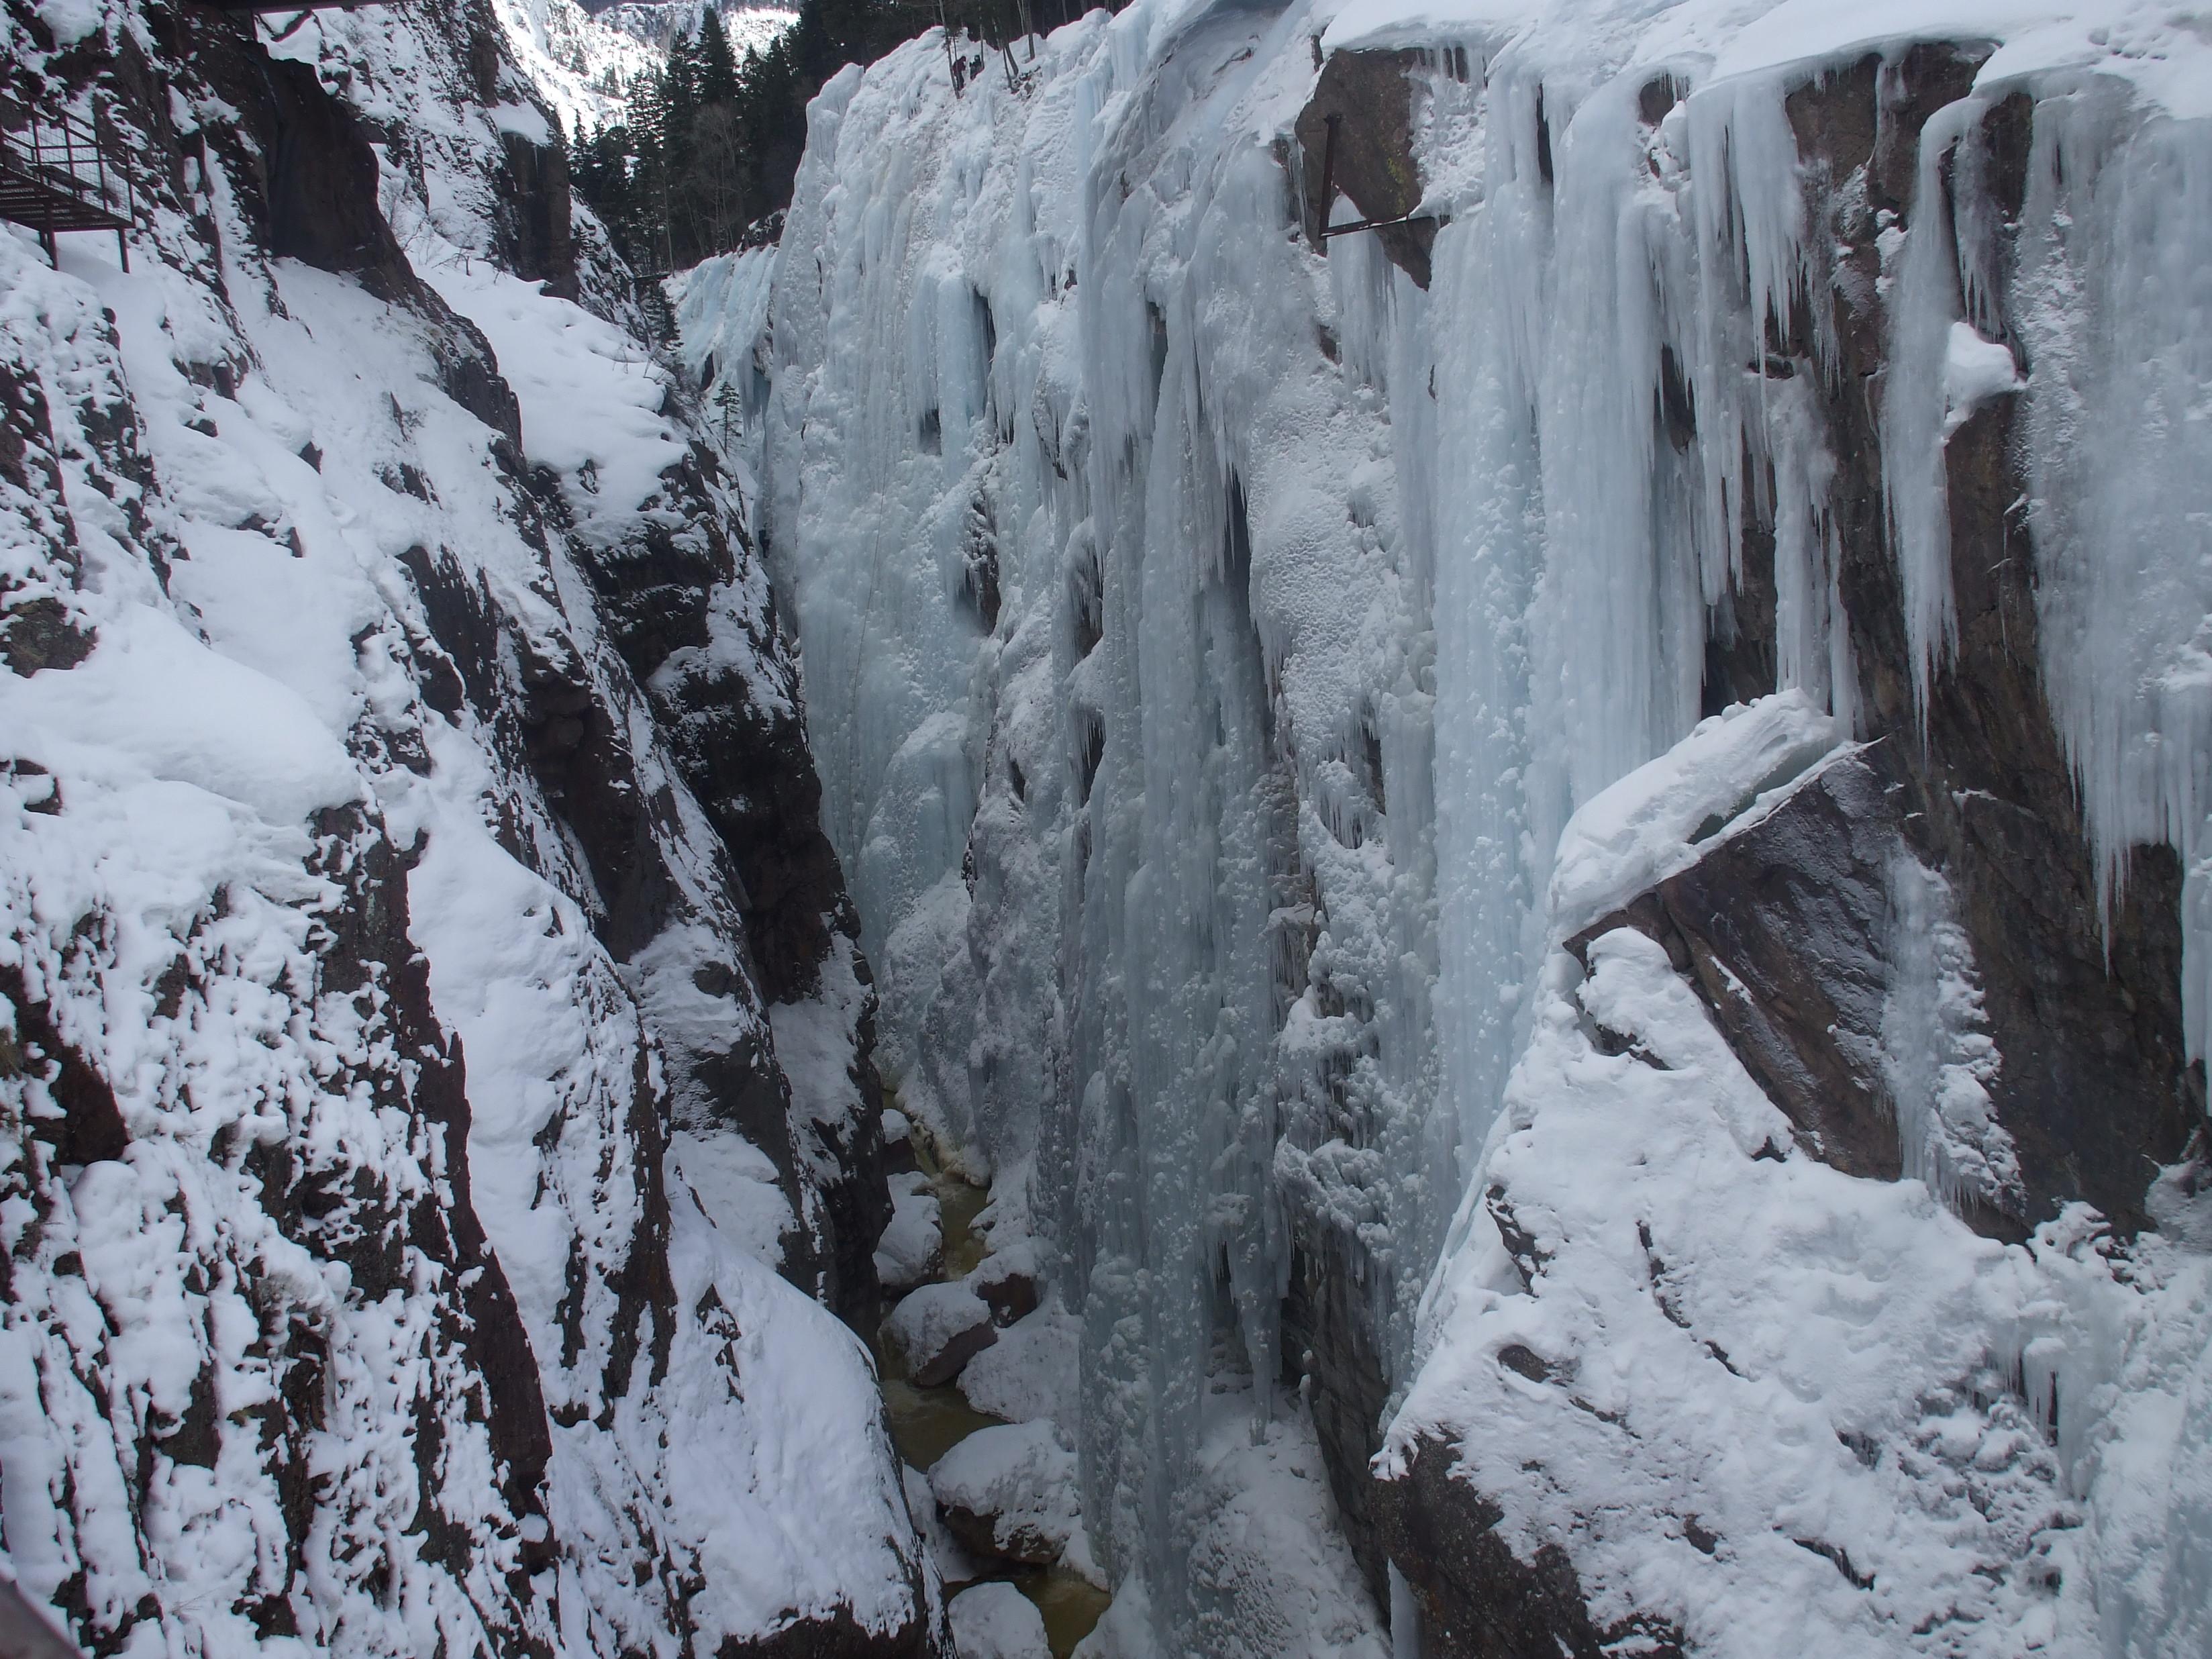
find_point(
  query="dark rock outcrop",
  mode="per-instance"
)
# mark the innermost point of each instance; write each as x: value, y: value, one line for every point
x: 1009, y: 1291
x: 1476, y: 1598
x: 2096, y: 1090
x: 90, y: 1126
x: 319, y: 182
x: 1782, y: 929
x: 839, y: 1637
x: 747, y: 764
x: 536, y: 239
x: 1356, y: 131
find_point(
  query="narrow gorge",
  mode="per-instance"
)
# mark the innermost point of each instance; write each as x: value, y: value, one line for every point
x: 1336, y: 830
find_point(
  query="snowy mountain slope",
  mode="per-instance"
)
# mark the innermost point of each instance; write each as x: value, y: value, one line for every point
x: 415, y: 1241
x: 1211, y: 634
x: 583, y: 66
x: 654, y: 23
x: 586, y: 65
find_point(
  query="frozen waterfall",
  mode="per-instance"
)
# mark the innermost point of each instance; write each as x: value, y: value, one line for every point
x: 1210, y: 630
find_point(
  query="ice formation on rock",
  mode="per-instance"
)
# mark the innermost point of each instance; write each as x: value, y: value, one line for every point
x: 1223, y: 648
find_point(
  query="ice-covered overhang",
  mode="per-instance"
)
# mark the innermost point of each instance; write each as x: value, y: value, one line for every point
x: 2163, y: 51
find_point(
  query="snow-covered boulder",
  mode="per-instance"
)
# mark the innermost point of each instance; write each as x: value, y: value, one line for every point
x: 1007, y: 1279
x: 1033, y: 1371
x: 997, y: 1621
x: 937, y: 1329
x: 912, y: 1247
x: 1010, y: 1492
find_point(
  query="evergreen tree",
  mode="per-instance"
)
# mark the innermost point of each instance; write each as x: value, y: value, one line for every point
x: 713, y: 145
x: 726, y: 410
x: 717, y: 66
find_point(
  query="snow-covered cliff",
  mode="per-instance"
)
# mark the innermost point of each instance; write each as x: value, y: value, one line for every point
x: 654, y: 23
x: 582, y: 65
x: 437, y: 1116
x: 1257, y: 678
x: 587, y: 66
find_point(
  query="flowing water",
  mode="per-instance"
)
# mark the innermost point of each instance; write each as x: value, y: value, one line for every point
x: 927, y: 1423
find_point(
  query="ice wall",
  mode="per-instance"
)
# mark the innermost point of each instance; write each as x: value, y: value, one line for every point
x: 1206, y: 642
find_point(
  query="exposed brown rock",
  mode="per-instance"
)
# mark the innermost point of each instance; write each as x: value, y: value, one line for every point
x: 841, y: 1636
x: 1010, y: 1293
x: 538, y: 244
x: 1782, y: 929
x: 1476, y: 1599
x: 1366, y: 97
x: 91, y: 1126
x: 981, y: 1537
x: 2096, y: 1089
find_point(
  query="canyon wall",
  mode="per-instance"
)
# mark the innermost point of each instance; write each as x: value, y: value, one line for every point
x: 440, y: 1128
x: 1551, y: 846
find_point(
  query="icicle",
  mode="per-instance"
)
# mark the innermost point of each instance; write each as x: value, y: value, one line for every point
x: 1922, y: 401
x: 2113, y: 284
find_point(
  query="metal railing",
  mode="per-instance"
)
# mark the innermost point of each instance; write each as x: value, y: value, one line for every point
x: 59, y: 171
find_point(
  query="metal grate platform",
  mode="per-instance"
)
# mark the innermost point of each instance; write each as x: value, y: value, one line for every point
x: 56, y: 175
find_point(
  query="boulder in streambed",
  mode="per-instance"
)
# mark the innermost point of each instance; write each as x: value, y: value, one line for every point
x: 898, y: 1143
x: 1032, y: 1370
x: 1007, y: 1282
x: 912, y: 1248
x: 997, y: 1621
x: 1009, y: 1492
x: 954, y: 1564
x: 937, y: 1329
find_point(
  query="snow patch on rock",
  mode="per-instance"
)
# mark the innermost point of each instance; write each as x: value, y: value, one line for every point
x: 997, y: 1621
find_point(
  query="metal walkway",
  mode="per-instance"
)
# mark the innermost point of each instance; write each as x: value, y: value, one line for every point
x: 55, y: 175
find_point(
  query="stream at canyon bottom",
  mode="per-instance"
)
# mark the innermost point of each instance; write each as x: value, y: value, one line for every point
x: 927, y: 1423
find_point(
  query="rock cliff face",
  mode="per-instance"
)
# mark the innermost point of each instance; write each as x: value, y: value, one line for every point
x: 435, y: 1066
x: 1561, y: 850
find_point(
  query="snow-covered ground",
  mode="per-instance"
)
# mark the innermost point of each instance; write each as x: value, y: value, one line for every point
x: 1209, y: 647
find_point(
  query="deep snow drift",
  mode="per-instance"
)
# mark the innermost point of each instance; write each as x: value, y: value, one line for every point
x: 1224, y: 661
